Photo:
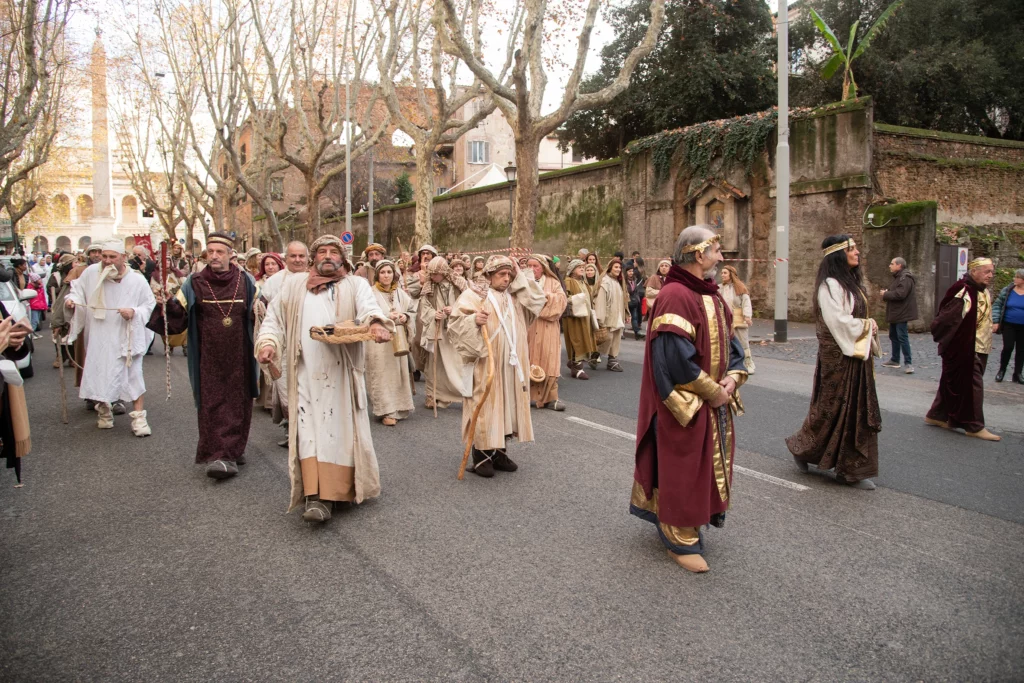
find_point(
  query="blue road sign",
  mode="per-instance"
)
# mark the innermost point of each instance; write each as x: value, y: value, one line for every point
x: 347, y: 237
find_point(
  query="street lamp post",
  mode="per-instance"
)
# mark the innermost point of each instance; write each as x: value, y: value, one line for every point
x: 782, y: 182
x: 510, y: 173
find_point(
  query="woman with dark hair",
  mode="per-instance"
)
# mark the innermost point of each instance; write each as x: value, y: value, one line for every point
x: 841, y: 429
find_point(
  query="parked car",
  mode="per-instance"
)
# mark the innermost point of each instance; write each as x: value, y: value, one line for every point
x: 16, y: 304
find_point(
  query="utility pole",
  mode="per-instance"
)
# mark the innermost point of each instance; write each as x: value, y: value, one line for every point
x: 782, y: 181
x: 369, y: 215
x: 348, y: 156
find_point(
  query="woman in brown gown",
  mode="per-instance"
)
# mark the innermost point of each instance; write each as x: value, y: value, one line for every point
x: 841, y: 429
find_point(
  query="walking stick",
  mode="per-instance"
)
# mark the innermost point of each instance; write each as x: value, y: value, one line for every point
x: 63, y: 387
x: 437, y: 350
x: 480, y: 403
x: 164, y: 264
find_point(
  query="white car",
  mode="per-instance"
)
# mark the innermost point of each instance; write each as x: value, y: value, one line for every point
x: 17, y: 307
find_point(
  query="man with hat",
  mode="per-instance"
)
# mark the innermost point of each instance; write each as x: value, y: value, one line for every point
x: 963, y: 329
x: 215, y: 306
x: 330, y: 452
x: 414, y: 281
x: 373, y: 254
x: 111, y: 303
x: 441, y: 288
x: 503, y: 313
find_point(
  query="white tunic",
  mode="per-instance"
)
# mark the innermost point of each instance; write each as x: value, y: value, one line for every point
x: 109, y: 375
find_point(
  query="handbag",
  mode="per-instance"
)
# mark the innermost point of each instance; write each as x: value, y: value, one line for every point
x: 578, y: 304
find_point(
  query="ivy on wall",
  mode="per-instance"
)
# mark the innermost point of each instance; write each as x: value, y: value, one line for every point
x: 738, y: 140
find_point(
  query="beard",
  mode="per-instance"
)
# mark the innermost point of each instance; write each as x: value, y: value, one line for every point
x: 711, y: 274
x: 327, y: 261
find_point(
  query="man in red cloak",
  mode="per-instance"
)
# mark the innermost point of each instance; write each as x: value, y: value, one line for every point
x: 963, y: 329
x: 693, y: 366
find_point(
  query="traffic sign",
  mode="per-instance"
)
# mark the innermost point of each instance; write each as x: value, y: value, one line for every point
x: 347, y: 237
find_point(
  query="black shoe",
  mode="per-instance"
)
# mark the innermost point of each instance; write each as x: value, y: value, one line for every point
x: 240, y: 460
x: 417, y: 376
x: 1017, y: 379
x: 1001, y: 374
x: 801, y: 465
x: 118, y: 407
x: 482, y: 463
x: 502, y: 462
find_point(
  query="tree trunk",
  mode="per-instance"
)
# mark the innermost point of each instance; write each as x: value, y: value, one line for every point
x: 423, y: 194
x: 312, y: 207
x: 527, y: 195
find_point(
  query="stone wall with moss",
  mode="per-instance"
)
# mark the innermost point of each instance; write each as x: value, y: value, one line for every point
x: 579, y: 207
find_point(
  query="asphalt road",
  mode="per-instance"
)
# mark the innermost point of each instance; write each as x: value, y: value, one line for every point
x: 121, y: 561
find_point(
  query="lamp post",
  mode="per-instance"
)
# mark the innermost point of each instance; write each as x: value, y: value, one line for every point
x: 782, y: 182
x: 510, y: 173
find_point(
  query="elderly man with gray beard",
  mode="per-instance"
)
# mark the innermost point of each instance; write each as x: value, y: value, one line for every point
x: 330, y: 454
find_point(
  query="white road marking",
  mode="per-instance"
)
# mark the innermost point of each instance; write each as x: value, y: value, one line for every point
x: 736, y: 468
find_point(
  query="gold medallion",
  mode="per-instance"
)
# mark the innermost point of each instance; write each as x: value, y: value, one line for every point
x: 227, y: 322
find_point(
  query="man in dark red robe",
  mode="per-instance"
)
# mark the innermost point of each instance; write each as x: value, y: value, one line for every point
x: 693, y: 366
x: 963, y: 329
x: 215, y: 305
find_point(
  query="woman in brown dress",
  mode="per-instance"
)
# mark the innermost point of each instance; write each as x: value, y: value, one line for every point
x: 841, y: 429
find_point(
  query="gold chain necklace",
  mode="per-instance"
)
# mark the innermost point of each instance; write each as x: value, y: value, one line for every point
x: 226, y: 320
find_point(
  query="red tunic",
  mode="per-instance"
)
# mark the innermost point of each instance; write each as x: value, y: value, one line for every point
x: 683, y: 473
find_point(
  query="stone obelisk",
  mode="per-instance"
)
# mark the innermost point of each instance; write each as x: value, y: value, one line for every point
x: 102, y: 222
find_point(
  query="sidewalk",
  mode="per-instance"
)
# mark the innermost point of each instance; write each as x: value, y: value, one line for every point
x: 764, y: 329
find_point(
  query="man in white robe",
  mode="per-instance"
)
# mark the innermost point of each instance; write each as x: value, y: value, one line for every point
x: 503, y: 313
x: 330, y: 450
x: 112, y: 304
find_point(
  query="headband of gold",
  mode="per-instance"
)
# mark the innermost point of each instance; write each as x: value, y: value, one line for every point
x: 702, y: 246
x: 841, y: 246
x: 978, y: 263
x: 220, y: 240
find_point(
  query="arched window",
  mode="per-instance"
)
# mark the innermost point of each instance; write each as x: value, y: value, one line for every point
x: 129, y: 211
x: 84, y: 242
x: 40, y: 245
x: 60, y: 209
x: 64, y: 243
x: 84, y: 207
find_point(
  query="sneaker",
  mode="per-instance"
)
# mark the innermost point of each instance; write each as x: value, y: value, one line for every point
x: 139, y: 425
x: 221, y: 469
x: 890, y: 364
x: 909, y: 370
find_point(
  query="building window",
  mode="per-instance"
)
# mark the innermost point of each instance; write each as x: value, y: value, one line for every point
x: 241, y: 154
x: 224, y: 171
x: 277, y: 189
x: 147, y: 213
x: 479, y: 152
x: 441, y: 190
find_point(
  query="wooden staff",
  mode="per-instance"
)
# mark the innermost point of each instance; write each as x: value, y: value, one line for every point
x: 480, y: 403
x: 63, y: 387
x: 437, y: 350
x: 164, y: 264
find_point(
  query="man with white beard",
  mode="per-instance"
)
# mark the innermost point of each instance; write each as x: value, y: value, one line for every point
x: 330, y: 449
x: 112, y: 304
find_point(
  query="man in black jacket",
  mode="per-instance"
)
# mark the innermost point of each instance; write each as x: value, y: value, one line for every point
x: 900, y: 309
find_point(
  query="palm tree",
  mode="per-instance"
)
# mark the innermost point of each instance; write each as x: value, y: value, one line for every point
x: 844, y: 58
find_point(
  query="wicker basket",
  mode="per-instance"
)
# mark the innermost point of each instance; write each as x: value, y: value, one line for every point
x: 341, y: 333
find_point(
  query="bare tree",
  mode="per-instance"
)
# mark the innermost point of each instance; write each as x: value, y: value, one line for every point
x: 520, y: 95
x: 32, y: 46
x: 304, y: 116
x: 426, y: 103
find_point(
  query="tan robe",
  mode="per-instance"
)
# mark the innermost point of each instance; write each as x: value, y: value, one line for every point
x: 545, y: 341
x: 439, y: 349
x: 507, y: 408
x: 389, y: 379
x: 336, y: 450
x: 413, y: 287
